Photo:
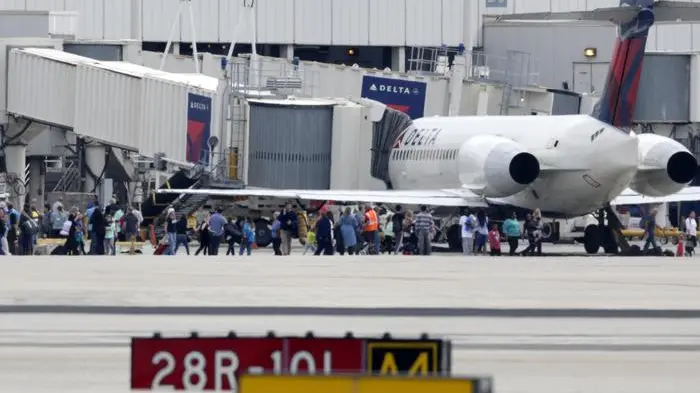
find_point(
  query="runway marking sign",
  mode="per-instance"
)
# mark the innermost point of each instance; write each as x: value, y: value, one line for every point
x: 216, y: 363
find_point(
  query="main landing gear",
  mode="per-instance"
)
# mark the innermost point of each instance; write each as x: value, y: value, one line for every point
x: 609, y: 236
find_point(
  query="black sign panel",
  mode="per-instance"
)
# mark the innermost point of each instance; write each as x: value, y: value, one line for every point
x: 407, y: 357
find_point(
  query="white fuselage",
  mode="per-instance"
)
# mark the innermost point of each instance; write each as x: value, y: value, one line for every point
x: 585, y: 163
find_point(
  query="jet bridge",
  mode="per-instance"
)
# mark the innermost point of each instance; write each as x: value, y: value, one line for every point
x: 113, y: 104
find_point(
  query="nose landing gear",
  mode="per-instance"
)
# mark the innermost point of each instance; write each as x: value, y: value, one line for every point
x: 608, y: 236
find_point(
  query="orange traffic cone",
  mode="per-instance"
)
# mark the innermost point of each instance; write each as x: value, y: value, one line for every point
x: 255, y: 245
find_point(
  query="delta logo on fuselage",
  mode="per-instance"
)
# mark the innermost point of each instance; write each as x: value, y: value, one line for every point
x: 412, y: 136
x: 393, y: 89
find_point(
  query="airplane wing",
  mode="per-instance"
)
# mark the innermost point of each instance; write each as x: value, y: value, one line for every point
x: 446, y: 197
x: 664, y: 12
x: 629, y: 197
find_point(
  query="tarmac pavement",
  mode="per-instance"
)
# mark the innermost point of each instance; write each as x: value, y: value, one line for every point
x: 556, y: 324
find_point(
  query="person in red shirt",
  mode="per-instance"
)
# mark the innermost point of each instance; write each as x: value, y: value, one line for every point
x: 495, y: 241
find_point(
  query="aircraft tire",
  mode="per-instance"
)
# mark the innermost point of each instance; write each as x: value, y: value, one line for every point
x: 263, y: 233
x: 547, y: 230
x: 609, y: 244
x: 592, y: 239
x: 454, y: 238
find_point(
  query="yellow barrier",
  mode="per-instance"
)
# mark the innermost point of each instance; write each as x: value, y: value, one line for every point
x: 353, y: 384
x: 50, y: 242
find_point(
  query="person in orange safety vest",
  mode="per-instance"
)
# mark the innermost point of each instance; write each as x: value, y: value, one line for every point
x: 372, y: 229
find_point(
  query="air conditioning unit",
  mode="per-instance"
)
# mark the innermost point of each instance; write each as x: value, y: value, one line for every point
x: 280, y: 83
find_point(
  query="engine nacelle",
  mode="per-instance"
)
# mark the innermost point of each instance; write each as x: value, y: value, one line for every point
x: 496, y: 166
x: 666, y: 166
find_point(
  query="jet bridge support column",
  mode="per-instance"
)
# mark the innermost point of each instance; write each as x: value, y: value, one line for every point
x: 459, y: 72
x: 95, y: 161
x: 398, y: 58
x: 15, y: 161
x: 287, y: 52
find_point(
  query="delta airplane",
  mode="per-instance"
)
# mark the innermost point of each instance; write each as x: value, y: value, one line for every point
x: 565, y: 165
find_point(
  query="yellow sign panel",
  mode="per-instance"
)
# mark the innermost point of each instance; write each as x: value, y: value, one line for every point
x: 352, y: 384
x: 411, y: 358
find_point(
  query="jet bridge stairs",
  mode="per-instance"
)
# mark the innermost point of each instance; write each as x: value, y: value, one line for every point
x: 154, y: 206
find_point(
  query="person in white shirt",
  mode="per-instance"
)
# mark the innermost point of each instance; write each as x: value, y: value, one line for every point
x: 691, y: 232
x: 467, y: 222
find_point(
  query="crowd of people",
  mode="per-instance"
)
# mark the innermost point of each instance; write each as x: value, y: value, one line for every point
x: 481, y: 237
x: 356, y: 231
x: 20, y: 231
x: 352, y: 231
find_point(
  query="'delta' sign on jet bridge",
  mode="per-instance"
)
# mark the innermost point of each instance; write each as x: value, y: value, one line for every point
x: 198, y: 127
x: 400, y: 94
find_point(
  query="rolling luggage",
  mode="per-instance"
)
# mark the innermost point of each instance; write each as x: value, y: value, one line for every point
x: 160, y: 249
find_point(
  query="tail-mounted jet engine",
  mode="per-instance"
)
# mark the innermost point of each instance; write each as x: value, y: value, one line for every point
x: 495, y: 166
x: 665, y: 166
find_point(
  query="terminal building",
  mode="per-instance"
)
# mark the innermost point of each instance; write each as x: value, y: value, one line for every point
x: 274, y: 93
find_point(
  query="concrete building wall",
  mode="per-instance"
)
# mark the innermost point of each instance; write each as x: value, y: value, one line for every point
x: 324, y: 22
x: 304, y: 22
x: 557, y: 49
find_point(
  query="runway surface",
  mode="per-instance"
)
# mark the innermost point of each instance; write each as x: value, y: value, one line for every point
x: 559, y: 325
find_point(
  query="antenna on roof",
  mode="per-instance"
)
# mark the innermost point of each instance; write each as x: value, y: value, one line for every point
x: 193, y: 31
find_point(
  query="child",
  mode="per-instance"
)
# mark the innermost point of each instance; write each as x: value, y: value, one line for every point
x: 248, y: 237
x: 495, y: 241
x: 310, y: 241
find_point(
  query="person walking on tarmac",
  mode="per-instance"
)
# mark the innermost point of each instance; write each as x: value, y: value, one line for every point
x: 511, y: 228
x: 424, y: 227
x: 288, y: 228
x: 324, y: 234
x: 691, y: 229
x: 650, y: 231
x: 371, y: 228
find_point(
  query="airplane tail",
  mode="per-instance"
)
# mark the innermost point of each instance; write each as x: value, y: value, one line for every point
x: 619, y: 98
x: 634, y: 18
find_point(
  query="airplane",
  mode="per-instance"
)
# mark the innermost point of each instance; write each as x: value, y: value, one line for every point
x: 567, y: 166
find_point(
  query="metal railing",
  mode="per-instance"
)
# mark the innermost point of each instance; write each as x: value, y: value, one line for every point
x: 70, y: 176
x: 515, y: 68
x: 270, y: 77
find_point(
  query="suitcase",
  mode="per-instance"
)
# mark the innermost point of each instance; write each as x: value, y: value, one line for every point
x: 160, y: 249
x: 59, y: 250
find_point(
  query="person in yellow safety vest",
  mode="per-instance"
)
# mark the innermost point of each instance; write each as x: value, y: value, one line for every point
x: 35, y: 218
x: 372, y: 229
